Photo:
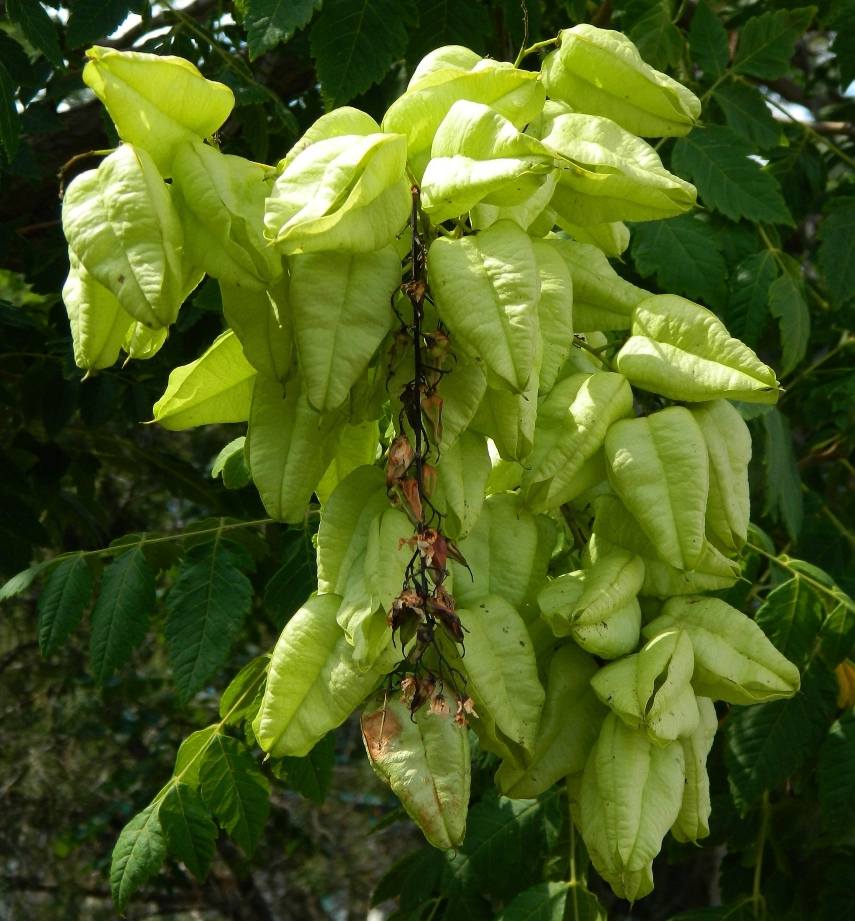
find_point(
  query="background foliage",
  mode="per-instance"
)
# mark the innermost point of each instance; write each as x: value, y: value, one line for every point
x: 166, y: 591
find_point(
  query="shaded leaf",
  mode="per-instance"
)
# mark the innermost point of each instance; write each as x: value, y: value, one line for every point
x: 708, y: 41
x: 791, y: 618
x: 235, y: 790
x: 126, y: 598
x: 238, y: 697
x: 138, y: 854
x: 448, y: 22
x: 310, y: 775
x: 544, y: 902
x: 269, y: 22
x: 837, y: 250
x: 838, y: 635
x: 38, y: 28
x: 766, y: 744
x: 836, y: 776
x: 748, y: 297
x: 767, y: 42
x: 718, y: 161
x: 291, y: 585
x: 788, y: 304
x: 22, y: 581
x: 94, y: 19
x: 844, y: 25
x: 784, y: 499
x: 747, y: 113
x: 66, y: 593
x: 189, y: 831
x: 658, y: 40
x: 685, y: 254
x: 10, y: 121
x: 231, y: 465
x: 390, y: 884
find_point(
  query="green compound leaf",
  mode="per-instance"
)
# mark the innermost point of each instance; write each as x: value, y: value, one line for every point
x: 685, y: 254
x: 784, y: 498
x: 310, y: 775
x: 748, y: 297
x: 836, y: 776
x: 64, y: 596
x: 654, y: 34
x: 708, y: 41
x: 838, y: 635
x: 764, y: 745
x: 188, y: 828
x: 37, y: 26
x: 788, y: 304
x: 448, y: 22
x: 291, y: 585
x: 269, y: 22
x: 544, y: 902
x: 120, y: 616
x: 235, y: 790
x: 355, y: 43
x: 791, y: 618
x: 717, y: 160
x: 205, y: 610
x: 837, y: 250
x: 94, y: 19
x: 746, y: 112
x: 10, y: 121
x: 502, y: 833
x: 844, y: 24
x: 138, y: 854
x: 767, y: 42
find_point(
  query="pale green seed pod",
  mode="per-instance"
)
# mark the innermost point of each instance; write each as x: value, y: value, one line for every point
x: 630, y: 796
x: 729, y: 446
x: 693, y: 821
x: 571, y: 721
x: 462, y: 474
x: 651, y: 690
x: 157, y: 102
x: 601, y: 72
x: 734, y: 659
x: 659, y: 466
x: 424, y: 758
x: 683, y: 351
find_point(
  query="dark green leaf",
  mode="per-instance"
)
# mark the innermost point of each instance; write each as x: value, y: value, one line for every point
x: 544, y: 902
x: 126, y: 598
x: 390, y: 884
x: 66, y: 593
x: 231, y: 464
x: 838, y: 635
x: 138, y: 854
x: 788, y: 304
x: 791, y: 618
x: 10, y: 121
x: 658, y: 40
x: 767, y: 42
x: 160, y: 554
x: 767, y: 743
x: 748, y: 298
x: 94, y: 19
x: 503, y: 833
x: 739, y: 911
x: 310, y: 775
x: 289, y: 588
x: 708, y: 41
x: 22, y: 581
x: 837, y: 250
x: 448, y: 22
x: 354, y: 43
x: 189, y: 831
x: 16, y: 61
x: 205, y: 611
x: 718, y: 161
x: 582, y: 905
x: 237, y: 698
x: 38, y: 28
x: 235, y: 790
x: 746, y: 112
x: 843, y: 46
x: 685, y: 254
x: 784, y: 499
x: 208, y: 296
x: 190, y: 754
x: 836, y: 776
x: 269, y: 22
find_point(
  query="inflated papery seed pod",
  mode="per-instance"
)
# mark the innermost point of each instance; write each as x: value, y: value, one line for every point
x: 424, y: 758
x: 571, y: 427
x: 693, y: 821
x: 120, y: 223
x: 729, y: 446
x: 652, y: 689
x: 220, y: 199
x: 346, y: 192
x: 486, y: 289
x: 571, y: 721
x: 313, y: 684
x: 451, y: 74
x: 601, y: 298
x: 615, y: 528
x: 157, y: 102
x: 462, y: 475
x: 630, y: 796
x: 479, y: 156
x: 598, y: 607
x: 683, y: 351
x: 611, y: 239
x: 659, y: 466
x: 601, y: 72
x: 554, y: 313
x: 734, y: 659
